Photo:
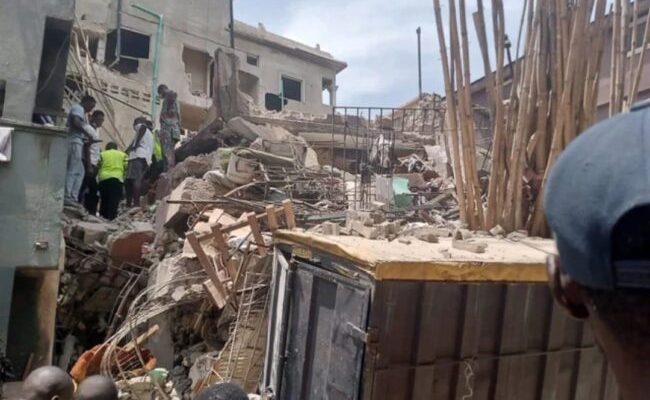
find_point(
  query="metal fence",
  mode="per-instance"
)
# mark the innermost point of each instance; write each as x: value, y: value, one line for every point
x: 367, y: 141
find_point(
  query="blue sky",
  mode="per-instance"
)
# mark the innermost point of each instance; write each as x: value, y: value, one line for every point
x: 375, y: 37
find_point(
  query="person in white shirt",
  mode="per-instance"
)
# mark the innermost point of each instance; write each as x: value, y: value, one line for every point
x: 140, y: 153
x: 89, y: 193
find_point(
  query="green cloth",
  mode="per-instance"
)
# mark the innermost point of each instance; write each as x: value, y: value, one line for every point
x: 401, y: 192
x: 112, y: 164
x: 157, y: 147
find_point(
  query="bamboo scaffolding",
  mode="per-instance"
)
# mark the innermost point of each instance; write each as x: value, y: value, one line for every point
x: 553, y: 90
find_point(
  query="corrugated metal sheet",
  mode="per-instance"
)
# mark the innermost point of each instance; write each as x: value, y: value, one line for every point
x: 432, y: 340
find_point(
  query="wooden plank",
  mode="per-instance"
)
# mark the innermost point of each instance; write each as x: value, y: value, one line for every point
x: 469, y: 336
x: 289, y: 216
x: 219, y: 241
x: 426, y: 348
x: 589, y: 367
x: 272, y: 218
x: 217, y: 298
x: 512, y: 341
x: 139, y: 341
x: 257, y: 234
x: 207, y: 266
x: 555, y: 339
x: 242, y: 224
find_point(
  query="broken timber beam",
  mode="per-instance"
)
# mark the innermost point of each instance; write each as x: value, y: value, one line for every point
x: 210, y: 269
x: 257, y: 234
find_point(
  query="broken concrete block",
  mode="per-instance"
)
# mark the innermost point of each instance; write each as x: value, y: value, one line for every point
x: 470, y: 245
x: 245, y: 129
x: 404, y: 240
x: 91, y: 232
x: 378, y: 206
x: 331, y: 228
x: 425, y: 236
x: 362, y: 216
x: 462, y: 234
x: 517, y: 236
x: 368, y: 232
x: 445, y: 253
x: 193, y: 166
x: 389, y: 227
x: 174, y: 216
x: 163, y: 186
x: 497, y: 231
x: 127, y: 246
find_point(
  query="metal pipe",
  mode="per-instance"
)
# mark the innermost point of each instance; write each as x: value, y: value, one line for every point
x: 156, y: 57
x: 232, y: 25
x: 118, y: 42
x: 419, y: 32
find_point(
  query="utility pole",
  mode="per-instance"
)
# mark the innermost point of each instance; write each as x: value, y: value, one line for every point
x: 419, y: 31
x: 232, y: 25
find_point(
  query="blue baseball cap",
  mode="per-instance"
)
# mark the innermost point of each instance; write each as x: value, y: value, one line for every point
x: 603, y: 174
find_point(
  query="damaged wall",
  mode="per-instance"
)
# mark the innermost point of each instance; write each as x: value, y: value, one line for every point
x: 198, y: 25
x: 192, y: 34
x: 277, y: 57
x: 21, y: 56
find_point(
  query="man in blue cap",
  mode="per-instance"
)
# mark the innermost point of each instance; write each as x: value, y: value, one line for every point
x: 598, y: 206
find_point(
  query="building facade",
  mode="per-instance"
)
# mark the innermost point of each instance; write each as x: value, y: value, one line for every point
x: 119, y: 41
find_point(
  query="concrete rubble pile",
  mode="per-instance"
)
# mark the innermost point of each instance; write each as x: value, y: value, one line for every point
x: 171, y: 296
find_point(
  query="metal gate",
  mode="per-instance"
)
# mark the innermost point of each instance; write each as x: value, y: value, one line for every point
x: 325, y: 337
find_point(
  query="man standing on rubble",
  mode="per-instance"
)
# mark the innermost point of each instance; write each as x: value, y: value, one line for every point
x: 112, y: 166
x: 89, y: 193
x: 598, y: 206
x: 140, y: 152
x: 170, y: 124
x: 76, y: 135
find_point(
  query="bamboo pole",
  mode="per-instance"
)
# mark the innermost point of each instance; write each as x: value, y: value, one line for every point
x: 613, y: 74
x: 634, y: 90
x: 451, y: 114
x: 622, y: 57
x: 469, y: 121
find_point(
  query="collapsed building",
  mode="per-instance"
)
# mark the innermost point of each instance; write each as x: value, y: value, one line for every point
x: 299, y: 248
x: 122, y: 49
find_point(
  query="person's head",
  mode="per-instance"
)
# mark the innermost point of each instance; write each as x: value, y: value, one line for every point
x: 162, y: 90
x: 97, y: 118
x: 223, y: 391
x: 97, y: 387
x: 111, y: 146
x: 139, y: 121
x: 48, y: 383
x: 597, y: 202
x: 88, y: 103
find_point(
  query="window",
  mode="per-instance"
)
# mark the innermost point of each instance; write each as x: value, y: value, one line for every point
x: 328, y: 92
x: 51, y: 75
x: 249, y: 84
x: 197, y: 69
x: 134, y: 46
x: 253, y: 60
x: 291, y: 89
